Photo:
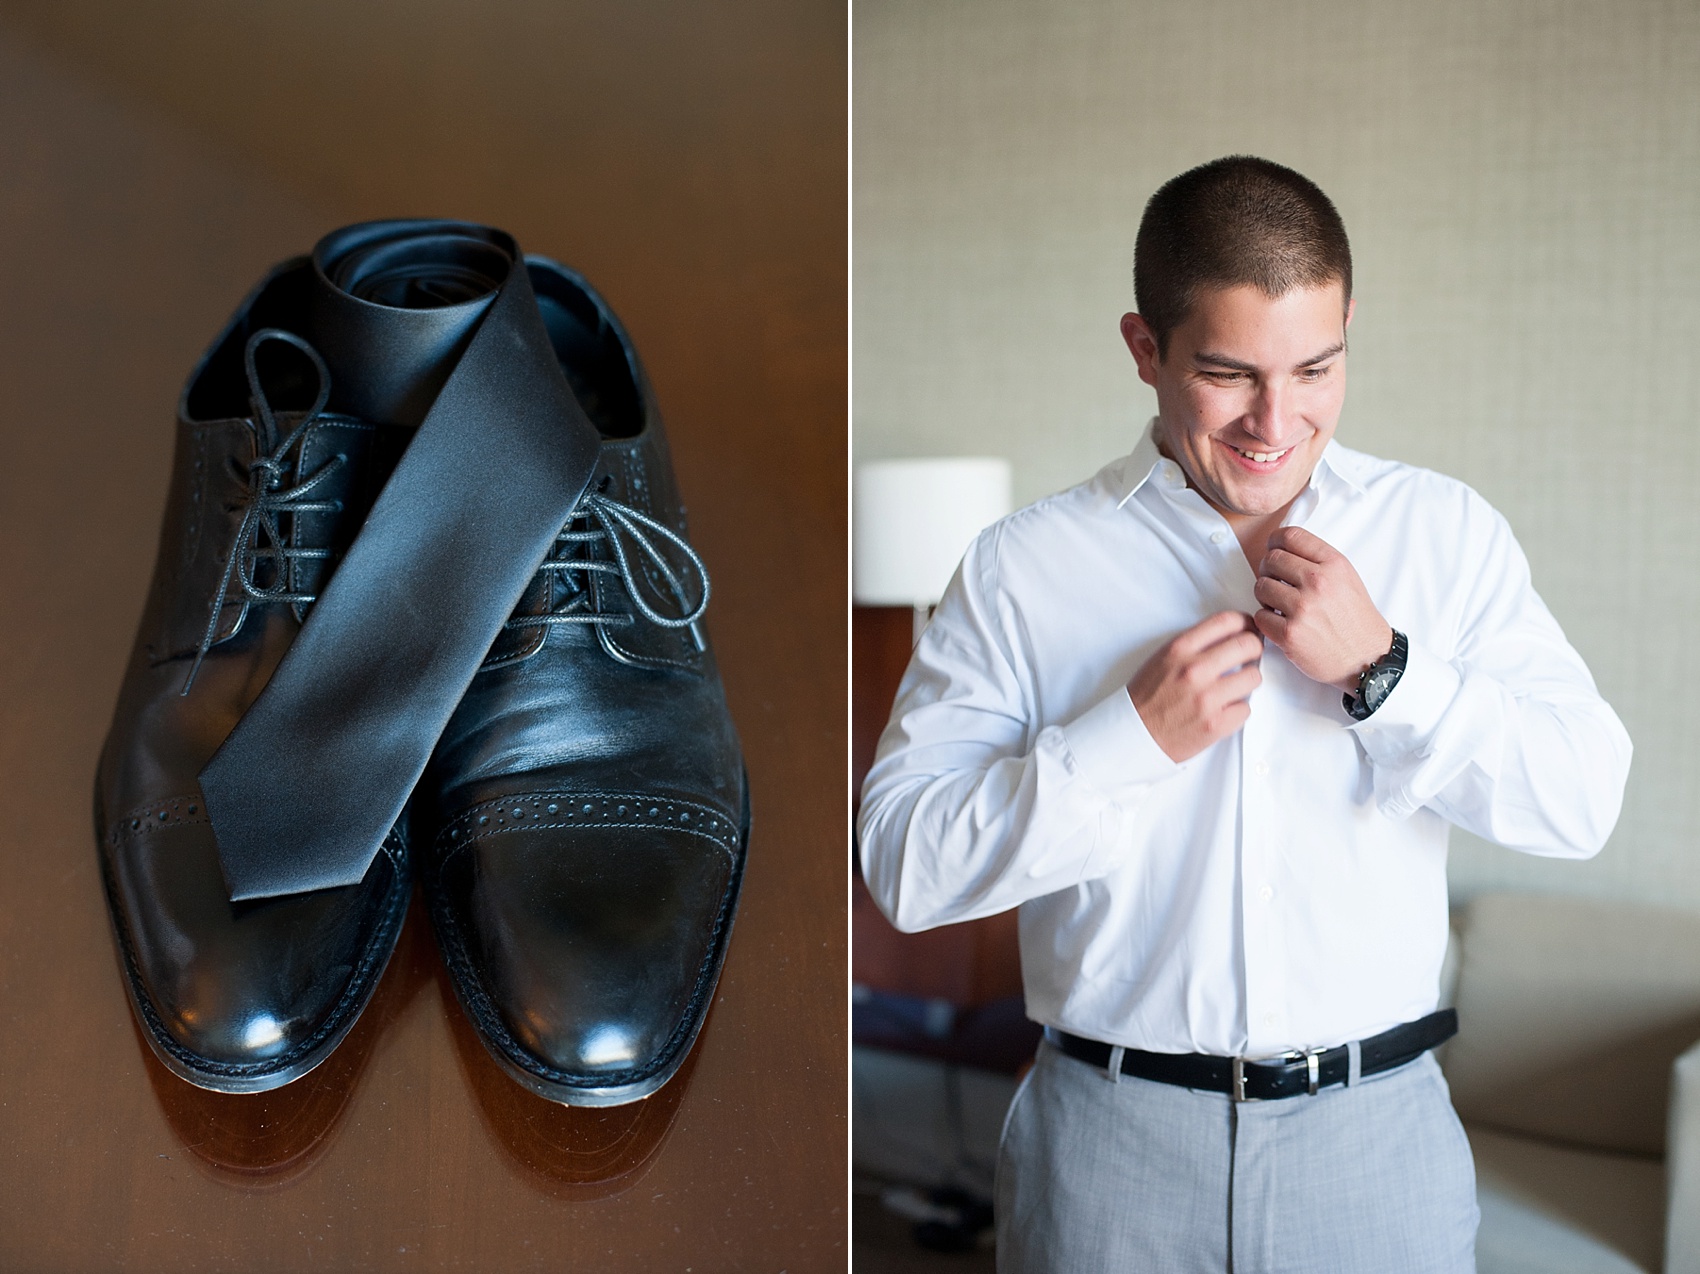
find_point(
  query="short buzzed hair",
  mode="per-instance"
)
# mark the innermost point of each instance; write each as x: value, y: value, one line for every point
x: 1229, y: 223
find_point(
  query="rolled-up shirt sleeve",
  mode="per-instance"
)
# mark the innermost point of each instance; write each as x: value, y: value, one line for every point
x: 1508, y: 737
x: 963, y: 814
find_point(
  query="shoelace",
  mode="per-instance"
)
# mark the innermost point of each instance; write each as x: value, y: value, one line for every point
x: 260, y: 538
x: 576, y: 543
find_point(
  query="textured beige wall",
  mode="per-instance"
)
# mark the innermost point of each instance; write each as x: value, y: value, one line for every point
x: 1521, y: 179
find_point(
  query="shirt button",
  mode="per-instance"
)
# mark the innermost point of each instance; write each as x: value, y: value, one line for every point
x: 1262, y: 768
x: 1266, y: 893
x: 1218, y: 537
x: 1269, y: 1019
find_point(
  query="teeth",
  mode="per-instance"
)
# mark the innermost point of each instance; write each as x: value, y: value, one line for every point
x: 1262, y: 457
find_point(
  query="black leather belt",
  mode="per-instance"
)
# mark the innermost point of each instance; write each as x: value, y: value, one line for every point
x: 1266, y: 1078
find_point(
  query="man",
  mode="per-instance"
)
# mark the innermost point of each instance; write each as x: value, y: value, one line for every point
x: 1205, y: 719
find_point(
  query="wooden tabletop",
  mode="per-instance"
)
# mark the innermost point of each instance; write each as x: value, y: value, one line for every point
x: 154, y: 159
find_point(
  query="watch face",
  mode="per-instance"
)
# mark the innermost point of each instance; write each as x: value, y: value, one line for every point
x: 1378, y: 685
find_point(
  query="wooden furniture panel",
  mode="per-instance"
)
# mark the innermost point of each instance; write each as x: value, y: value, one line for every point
x: 968, y: 964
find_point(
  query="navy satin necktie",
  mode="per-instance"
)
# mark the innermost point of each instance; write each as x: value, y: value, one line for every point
x: 420, y: 322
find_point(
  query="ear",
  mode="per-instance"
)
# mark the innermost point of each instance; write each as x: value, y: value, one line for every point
x: 1351, y: 309
x: 1142, y: 344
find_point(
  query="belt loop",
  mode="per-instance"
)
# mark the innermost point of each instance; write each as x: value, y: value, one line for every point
x: 1354, y: 1062
x: 1114, y: 1069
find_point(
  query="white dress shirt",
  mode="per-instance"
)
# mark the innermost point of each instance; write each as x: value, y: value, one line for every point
x: 1286, y: 887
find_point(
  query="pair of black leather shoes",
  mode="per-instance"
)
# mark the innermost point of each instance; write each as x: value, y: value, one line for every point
x: 580, y: 829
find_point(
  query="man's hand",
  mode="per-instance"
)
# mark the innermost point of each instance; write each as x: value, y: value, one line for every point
x: 1194, y: 690
x: 1317, y: 611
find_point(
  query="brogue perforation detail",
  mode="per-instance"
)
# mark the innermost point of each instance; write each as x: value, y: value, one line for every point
x: 155, y: 816
x: 561, y: 810
x: 197, y: 503
x: 183, y: 811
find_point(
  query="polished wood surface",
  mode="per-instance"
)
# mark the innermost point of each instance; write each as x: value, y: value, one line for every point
x: 154, y: 159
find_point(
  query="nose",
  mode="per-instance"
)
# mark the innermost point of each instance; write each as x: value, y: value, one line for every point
x: 1269, y: 418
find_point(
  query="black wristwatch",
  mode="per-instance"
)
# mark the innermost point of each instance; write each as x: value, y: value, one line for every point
x: 1376, y: 682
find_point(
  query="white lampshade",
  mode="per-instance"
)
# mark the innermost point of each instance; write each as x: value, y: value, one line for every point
x: 912, y: 521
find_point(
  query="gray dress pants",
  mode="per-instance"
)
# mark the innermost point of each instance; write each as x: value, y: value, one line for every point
x: 1096, y: 1175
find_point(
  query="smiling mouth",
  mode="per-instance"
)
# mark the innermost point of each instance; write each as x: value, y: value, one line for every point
x: 1260, y: 457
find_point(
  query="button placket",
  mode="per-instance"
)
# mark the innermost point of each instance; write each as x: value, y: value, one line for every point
x: 1262, y: 828
x: 1260, y: 995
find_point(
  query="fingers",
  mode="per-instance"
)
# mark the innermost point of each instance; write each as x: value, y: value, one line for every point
x: 1231, y: 652
x: 1283, y: 565
x: 1276, y: 594
x: 1237, y: 686
x: 1192, y: 692
x: 1301, y: 543
x: 1206, y: 633
x: 1234, y: 717
x: 1274, y: 627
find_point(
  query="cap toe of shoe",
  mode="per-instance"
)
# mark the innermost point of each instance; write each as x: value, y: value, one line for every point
x: 596, y: 945
x: 232, y: 991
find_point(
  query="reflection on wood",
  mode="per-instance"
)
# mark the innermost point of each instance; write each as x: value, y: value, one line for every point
x: 573, y: 1152
x: 261, y: 1140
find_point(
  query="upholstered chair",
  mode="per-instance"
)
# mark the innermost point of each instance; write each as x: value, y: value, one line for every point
x: 1576, y: 1072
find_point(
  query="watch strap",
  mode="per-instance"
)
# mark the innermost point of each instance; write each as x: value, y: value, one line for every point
x: 1357, y: 704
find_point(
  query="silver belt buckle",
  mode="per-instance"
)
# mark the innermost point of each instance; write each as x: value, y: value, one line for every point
x: 1313, y: 1072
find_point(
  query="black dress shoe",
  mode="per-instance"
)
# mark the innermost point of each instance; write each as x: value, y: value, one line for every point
x: 267, y: 489
x: 588, y: 807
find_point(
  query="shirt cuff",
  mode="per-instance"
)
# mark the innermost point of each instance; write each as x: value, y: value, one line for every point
x: 1109, y: 746
x: 1407, y: 719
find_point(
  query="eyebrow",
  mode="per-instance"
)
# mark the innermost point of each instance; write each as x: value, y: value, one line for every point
x: 1234, y: 364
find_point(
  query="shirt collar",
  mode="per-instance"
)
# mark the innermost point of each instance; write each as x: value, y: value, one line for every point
x: 1138, y: 467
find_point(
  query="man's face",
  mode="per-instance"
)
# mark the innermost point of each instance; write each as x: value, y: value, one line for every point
x: 1249, y: 392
